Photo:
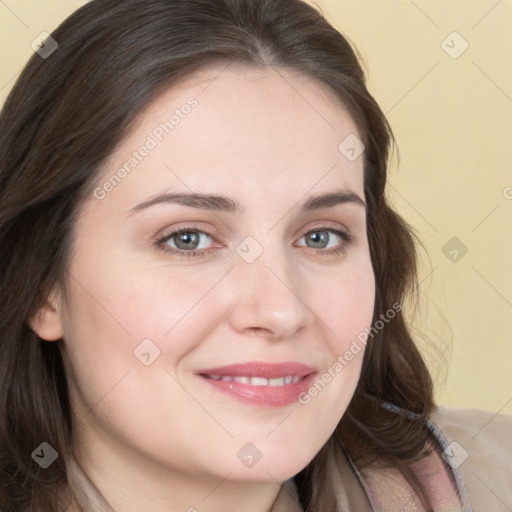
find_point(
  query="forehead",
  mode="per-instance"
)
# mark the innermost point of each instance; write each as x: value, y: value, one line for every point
x: 253, y: 132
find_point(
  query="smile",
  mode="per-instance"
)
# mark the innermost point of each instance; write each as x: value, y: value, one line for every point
x: 258, y: 381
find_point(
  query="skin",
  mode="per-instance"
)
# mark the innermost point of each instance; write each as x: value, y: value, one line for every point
x: 150, y: 436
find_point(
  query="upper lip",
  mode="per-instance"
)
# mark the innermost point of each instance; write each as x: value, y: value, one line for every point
x: 261, y: 369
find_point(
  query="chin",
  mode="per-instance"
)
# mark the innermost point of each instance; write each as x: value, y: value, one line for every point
x: 276, y: 464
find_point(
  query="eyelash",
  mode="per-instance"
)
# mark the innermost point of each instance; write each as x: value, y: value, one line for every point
x: 347, y: 238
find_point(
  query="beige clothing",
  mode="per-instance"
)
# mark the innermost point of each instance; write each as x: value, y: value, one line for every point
x: 481, y: 442
x: 484, y: 447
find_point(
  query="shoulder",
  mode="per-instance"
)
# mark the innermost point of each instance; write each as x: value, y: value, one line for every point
x: 481, y: 442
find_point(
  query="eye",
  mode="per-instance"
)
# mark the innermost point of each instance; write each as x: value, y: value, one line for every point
x: 322, y: 238
x: 185, y: 241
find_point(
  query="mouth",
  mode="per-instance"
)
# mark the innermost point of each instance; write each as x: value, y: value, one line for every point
x: 260, y: 383
x: 257, y: 381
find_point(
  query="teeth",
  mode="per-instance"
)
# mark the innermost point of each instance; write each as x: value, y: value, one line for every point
x: 259, y: 381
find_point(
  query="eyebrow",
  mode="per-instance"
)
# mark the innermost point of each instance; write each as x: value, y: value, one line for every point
x: 227, y: 204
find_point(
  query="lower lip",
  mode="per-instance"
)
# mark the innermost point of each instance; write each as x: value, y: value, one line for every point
x: 268, y: 396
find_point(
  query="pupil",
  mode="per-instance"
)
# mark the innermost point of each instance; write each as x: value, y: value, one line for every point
x: 188, y: 238
x: 318, y: 237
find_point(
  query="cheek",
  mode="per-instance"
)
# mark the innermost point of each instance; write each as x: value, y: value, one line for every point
x: 346, y: 304
x: 123, y: 316
x: 346, y: 310
x: 352, y: 313
x: 120, y: 302
x: 112, y: 329
x: 98, y: 346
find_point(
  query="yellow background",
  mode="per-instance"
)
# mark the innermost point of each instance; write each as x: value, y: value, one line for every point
x: 452, y: 118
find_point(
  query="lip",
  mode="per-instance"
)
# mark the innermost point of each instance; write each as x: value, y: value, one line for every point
x: 269, y: 396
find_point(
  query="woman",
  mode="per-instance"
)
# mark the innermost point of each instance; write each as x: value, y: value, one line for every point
x: 203, y: 285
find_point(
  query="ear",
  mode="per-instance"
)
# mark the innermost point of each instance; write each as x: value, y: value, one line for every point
x: 46, y: 322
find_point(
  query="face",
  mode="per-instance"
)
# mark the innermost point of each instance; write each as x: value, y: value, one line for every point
x: 195, y: 324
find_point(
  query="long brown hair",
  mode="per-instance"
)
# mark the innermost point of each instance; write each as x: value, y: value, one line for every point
x: 60, y: 123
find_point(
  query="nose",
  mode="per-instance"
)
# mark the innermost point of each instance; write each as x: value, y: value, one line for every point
x: 270, y: 298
